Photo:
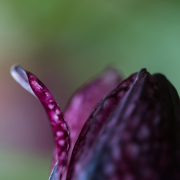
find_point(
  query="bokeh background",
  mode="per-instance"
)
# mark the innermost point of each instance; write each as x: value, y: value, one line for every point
x: 66, y: 42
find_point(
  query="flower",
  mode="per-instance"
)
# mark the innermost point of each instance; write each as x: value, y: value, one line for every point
x: 133, y: 133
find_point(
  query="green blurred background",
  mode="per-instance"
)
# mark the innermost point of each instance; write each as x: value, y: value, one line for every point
x: 65, y: 42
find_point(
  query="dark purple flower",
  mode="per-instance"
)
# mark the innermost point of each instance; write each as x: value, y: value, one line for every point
x: 133, y: 133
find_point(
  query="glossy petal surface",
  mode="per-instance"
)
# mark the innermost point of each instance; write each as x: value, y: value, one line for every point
x: 94, y: 124
x: 135, y: 143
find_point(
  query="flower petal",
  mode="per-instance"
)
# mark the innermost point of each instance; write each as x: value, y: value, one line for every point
x: 19, y: 74
x: 135, y: 143
x: 54, y: 173
x: 140, y: 138
x: 172, y: 127
x: 84, y: 101
x: 94, y: 124
x: 59, y: 126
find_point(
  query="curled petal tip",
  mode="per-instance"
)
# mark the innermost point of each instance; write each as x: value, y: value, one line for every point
x: 59, y: 127
x: 20, y: 75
